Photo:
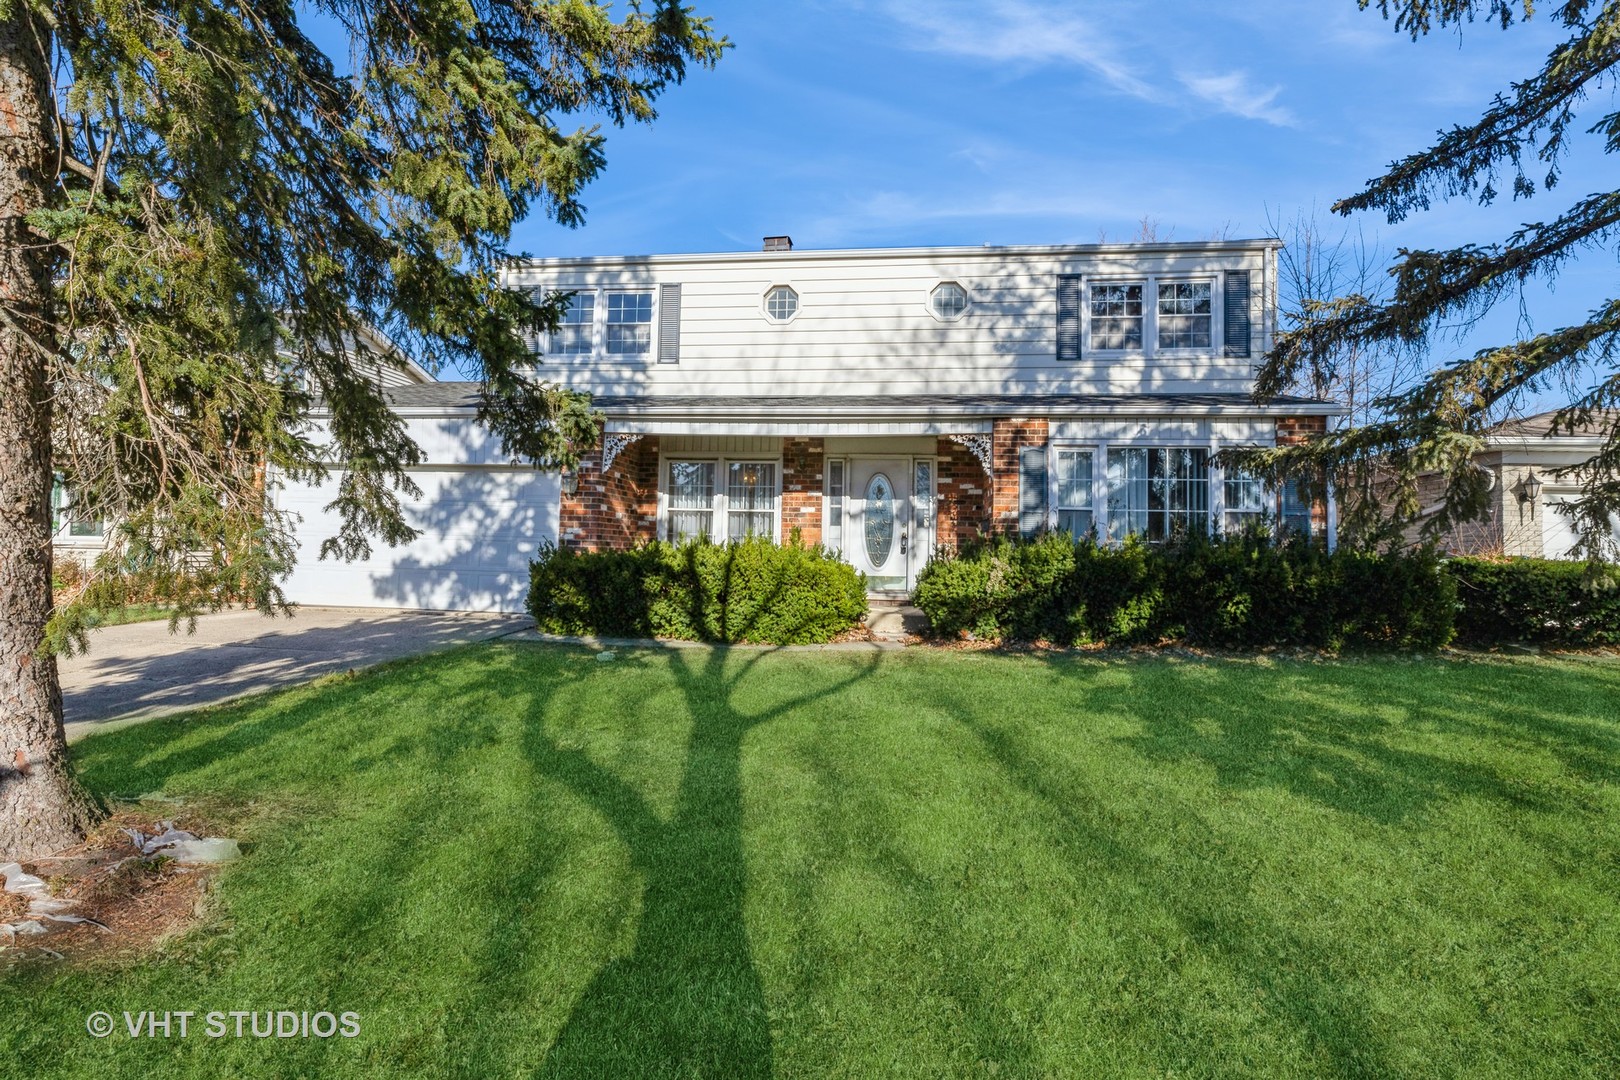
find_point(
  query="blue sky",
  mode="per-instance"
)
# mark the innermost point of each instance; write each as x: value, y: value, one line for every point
x: 857, y: 123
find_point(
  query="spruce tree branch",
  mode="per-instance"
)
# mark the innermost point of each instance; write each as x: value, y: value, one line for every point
x: 1455, y: 164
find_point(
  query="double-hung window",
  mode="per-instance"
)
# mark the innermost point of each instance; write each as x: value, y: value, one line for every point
x: 1296, y: 512
x: 720, y: 499
x: 1151, y: 314
x: 750, y: 499
x: 691, y: 499
x: 1186, y: 317
x: 1116, y: 315
x: 1245, y: 501
x: 629, y: 323
x: 1157, y: 492
x: 1073, y: 479
x: 576, y: 333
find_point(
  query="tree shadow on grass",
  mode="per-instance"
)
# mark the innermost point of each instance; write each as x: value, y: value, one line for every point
x: 687, y: 1000
x: 1333, y: 734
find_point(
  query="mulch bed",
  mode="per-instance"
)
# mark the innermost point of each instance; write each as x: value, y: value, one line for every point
x: 140, y: 900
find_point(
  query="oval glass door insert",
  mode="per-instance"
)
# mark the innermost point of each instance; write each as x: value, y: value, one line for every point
x: 879, y: 516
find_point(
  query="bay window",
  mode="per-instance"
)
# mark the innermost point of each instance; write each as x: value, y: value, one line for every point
x: 1246, y: 501
x: 1156, y: 492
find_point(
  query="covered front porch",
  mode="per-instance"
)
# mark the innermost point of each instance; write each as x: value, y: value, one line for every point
x: 886, y: 501
x: 889, y: 482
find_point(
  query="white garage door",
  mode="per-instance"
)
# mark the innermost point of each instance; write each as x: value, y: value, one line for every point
x: 479, y: 529
x: 1558, y: 530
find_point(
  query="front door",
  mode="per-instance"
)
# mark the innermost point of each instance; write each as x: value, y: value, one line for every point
x: 877, y: 537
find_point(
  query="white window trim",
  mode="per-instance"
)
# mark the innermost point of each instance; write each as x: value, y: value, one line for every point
x: 1148, y: 310
x: 765, y: 301
x: 1099, y: 480
x: 1150, y: 314
x: 599, y: 351
x: 720, y: 502
x: 826, y: 501
x: 1216, y: 326
x: 928, y: 301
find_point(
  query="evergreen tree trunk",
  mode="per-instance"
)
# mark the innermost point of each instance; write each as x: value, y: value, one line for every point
x: 42, y: 808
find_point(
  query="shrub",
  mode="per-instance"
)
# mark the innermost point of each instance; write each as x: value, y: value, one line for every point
x: 1237, y: 592
x: 750, y: 590
x: 1551, y: 601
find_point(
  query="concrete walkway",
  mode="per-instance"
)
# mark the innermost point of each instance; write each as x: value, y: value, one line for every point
x: 140, y: 670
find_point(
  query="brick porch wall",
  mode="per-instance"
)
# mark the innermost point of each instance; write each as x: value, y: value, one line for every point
x: 619, y: 509
x: 963, y: 491
x: 1293, y: 430
x: 803, y: 461
x: 1008, y: 437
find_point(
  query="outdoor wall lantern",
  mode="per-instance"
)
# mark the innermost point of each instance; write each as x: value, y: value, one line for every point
x: 1529, y: 488
x: 570, y: 482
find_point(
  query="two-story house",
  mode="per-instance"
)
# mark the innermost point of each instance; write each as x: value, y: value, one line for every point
x: 887, y: 403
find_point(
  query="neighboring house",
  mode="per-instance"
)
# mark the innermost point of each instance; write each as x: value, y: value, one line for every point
x: 886, y: 403
x: 81, y: 538
x: 1528, y: 463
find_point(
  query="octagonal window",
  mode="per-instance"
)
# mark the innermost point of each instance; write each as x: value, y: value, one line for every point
x: 781, y: 303
x: 948, y: 300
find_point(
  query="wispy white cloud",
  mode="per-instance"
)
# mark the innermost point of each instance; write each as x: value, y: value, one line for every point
x: 1235, y: 93
x: 1018, y: 32
x: 1033, y: 33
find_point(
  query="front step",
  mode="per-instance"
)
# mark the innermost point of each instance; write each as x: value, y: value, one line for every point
x: 895, y: 619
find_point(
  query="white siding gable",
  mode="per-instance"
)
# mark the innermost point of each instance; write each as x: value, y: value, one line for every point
x: 864, y: 324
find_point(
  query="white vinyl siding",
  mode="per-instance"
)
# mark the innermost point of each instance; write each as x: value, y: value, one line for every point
x: 865, y: 324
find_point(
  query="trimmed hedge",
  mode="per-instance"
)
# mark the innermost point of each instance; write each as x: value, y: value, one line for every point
x: 750, y: 590
x: 1542, y: 600
x: 1238, y: 592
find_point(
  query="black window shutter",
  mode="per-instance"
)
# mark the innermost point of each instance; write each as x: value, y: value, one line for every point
x: 1068, y: 317
x: 1237, y: 313
x: 669, y: 324
x: 1031, y: 490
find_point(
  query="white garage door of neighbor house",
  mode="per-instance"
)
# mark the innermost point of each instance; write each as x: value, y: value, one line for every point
x: 1558, y: 530
x: 479, y: 529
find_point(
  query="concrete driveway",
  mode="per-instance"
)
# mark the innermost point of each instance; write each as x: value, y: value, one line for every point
x: 140, y: 671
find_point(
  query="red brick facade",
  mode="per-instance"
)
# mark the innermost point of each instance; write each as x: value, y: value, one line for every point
x: 618, y: 510
x: 963, y: 491
x: 1293, y: 430
x: 802, y: 463
x: 1296, y: 429
x: 1008, y: 438
x: 621, y: 509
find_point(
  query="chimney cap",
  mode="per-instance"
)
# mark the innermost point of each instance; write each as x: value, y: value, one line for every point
x: 779, y: 243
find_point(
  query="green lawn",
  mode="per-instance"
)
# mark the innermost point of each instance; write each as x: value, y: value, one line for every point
x: 514, y: 860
